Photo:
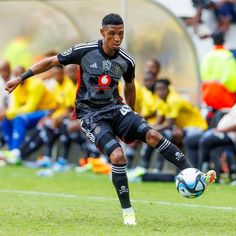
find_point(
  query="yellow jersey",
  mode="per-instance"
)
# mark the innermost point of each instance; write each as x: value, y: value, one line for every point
x: 139, y: 96
x: 149, y: 105
x: 65, y: 96
x: 184, y: 113
x: 30, y: 96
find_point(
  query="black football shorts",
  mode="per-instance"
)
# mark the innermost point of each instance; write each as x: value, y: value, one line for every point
x: 103, y: 126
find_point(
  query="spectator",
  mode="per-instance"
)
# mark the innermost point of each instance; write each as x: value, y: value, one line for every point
x: 177, y: 119
x: 5, y: 75
x: 200, y: 146
x: 55, y: 125
x: 223, y: 12
x: 30, y: 102
x: 48, y: 76
x: 218, y: 75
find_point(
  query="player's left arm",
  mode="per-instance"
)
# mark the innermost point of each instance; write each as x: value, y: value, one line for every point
x: 130, y: 93
x: 129, y: 87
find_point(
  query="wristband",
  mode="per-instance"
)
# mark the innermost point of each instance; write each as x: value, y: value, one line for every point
x: 26, y: 75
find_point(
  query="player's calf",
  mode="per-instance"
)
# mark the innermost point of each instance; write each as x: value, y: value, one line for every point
x: 169, y: 151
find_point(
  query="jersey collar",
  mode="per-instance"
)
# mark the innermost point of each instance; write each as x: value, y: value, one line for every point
x: 219, y: 47
x: 103, y: 53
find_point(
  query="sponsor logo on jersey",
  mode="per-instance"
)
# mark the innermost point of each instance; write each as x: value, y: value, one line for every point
x: 67, y: 52
x: 113, y: 67
x: 103, y: 82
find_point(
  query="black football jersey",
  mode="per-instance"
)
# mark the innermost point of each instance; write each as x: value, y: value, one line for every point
x: 100, y: 74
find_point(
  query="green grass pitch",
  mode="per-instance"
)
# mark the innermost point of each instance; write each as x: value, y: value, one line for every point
x: 86, y: 204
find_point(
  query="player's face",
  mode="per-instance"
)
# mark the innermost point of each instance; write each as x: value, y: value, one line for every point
x: 152, y: 67
x: 112, y: 38
x: 161, y: 90
x: 5, y: 71
x: 58, y: 74
x: 18, y: 71
x: 149, y: 82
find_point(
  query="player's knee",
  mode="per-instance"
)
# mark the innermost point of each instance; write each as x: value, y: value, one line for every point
x: 117, y: 156
x: 153, y: 137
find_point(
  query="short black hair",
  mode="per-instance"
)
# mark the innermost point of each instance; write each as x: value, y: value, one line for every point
x: 218, y: 38
x: 165, y: 81
x: 112, y: 19
x: 203, y: 3
x: 156, y: 62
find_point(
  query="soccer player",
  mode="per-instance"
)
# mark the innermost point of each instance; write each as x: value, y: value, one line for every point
x: 100, y: 109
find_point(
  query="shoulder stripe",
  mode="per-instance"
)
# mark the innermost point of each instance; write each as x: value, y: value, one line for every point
x: 85, y: 46
x: 128, y: 58
x: 126, y: 53
x: 87, y: 43
x: 93, y: 42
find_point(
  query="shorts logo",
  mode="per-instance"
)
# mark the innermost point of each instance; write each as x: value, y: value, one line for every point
x: 97, y: 130
x: 106, y: 65
x: 103, y: 82
x: 67, y: 52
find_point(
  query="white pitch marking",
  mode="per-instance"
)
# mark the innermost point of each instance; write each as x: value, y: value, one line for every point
x: 97, y: 198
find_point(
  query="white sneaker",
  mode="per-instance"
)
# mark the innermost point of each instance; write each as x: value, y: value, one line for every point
x: 11, y: 157
x: 129, y: 218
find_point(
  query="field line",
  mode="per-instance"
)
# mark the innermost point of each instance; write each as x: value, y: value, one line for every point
x: 97, y: 198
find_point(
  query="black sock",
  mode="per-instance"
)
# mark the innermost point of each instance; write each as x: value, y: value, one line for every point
x: 120, y: 181
x: 173, y: 154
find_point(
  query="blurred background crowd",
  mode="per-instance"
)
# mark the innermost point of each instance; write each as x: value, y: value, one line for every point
x: 185, y: 84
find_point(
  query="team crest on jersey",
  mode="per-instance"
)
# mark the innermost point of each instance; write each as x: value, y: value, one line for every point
x: 106, y: 65
x: 117, y: 70
x: 103, y: 82
x: 67, y: 52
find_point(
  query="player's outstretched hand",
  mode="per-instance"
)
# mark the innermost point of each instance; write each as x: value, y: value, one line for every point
x: 12, y: 84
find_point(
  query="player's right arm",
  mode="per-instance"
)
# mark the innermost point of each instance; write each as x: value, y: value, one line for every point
x: 70, y: 56
x: 37, y: 68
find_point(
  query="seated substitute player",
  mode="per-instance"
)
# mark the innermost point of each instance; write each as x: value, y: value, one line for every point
x: 100, y: 109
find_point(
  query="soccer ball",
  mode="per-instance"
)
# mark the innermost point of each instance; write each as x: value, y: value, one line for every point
x: 191, y: 183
